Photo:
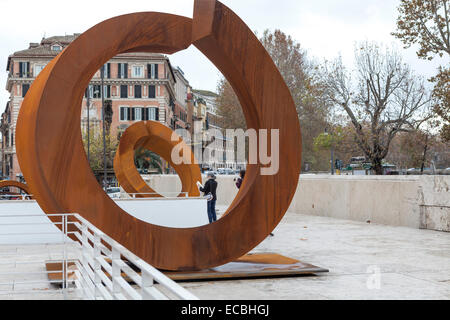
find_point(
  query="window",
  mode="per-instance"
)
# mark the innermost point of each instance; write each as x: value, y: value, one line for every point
x: 38, y: 68
x: 124, y: 113
x: 25, y: 88
x: 106, y: 70
x: 138, y: 71
x: 107, y: 91
x: 56, y: 47
x: 152, y: 71
x: 123, y: 91
x: 96, y: 91
x: 122, y: 70
x: 152, y: 114
x: 151, y: 92
x: 138, y: 114
x: 137, y: 91
x: 24, y: 69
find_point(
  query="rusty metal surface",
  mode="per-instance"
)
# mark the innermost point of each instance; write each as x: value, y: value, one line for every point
x: 155, y: 137
x: 16, y: 184
x: 258, y: 265
x: 53, y: 161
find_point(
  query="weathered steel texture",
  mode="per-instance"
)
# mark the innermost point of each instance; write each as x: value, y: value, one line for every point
x: 16, y: 184
x: 53, y: 161
x: 156, y: 137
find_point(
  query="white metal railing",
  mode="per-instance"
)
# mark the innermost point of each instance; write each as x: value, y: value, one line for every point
x: 15, y: 197
x: 100, y: 268
x: 142, y: 196
x: 105, y: 262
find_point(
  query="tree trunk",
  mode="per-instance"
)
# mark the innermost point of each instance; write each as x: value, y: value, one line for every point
x: 377, y: 166
x: 425, y: 149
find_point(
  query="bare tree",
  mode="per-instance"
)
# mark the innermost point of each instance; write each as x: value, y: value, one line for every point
x: 385, y: 98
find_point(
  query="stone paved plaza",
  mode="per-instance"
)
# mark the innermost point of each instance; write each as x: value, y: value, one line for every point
x: 413, y: 264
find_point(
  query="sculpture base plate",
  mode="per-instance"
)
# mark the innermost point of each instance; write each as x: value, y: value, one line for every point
x: 256, y: 265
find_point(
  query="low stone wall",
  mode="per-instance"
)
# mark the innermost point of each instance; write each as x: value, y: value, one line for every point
x: 410, y: 201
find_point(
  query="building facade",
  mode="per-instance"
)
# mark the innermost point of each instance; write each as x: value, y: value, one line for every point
x: 137, y: 86
x: 219, y: 154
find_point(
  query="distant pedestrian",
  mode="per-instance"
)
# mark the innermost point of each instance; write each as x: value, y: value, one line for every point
x: 240, y: 179
x: 209, y: 190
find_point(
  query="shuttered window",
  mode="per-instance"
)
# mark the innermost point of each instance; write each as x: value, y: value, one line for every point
x: 151, y: 92
x: 124, y: 91
x: 25, y: 88
x: 97, y: 93
x: 138, y: 114
x: 24, y: 69
x: 123, y: 70
x: 137, y: 91
x: 124, y: 113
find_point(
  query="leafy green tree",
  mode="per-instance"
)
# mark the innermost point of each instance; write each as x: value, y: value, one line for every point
x: 96, y: 149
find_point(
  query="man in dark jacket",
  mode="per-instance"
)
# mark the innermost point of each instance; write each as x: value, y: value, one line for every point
x: 240, y: 179
x: 210, y: 190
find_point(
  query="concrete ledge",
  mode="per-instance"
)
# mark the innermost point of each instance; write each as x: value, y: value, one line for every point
x: 409, y: 201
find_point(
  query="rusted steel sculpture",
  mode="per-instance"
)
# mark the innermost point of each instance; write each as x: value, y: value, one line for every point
x: 53, y: 161
x: 16, y: 184
x: 155, y: 137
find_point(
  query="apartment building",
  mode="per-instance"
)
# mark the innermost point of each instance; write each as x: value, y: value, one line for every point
x: 138, y: 86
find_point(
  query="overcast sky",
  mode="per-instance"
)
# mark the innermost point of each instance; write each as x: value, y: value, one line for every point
x: 325, y: 28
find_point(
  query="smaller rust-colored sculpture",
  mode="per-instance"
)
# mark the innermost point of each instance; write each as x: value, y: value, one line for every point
x: 156, y: 137
x: 16, y: 184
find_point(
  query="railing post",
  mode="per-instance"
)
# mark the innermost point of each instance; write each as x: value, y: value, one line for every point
x: 96, y: 253
x: 84, y: 249
x: 147, y: 282
x: 115, y: 257
x: 64, y: 262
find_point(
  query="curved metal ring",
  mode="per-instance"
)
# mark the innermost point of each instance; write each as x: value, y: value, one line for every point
x: 155, y: 137
x: 17, y: 184
x: 53, y: 161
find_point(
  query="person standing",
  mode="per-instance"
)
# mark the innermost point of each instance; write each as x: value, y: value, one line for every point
x: 209, y: 190
x: 240, y: 179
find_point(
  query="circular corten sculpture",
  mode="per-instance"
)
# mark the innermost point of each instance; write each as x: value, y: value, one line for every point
x: 16, y: 184
x: 155, y: 137
x: 53, y: 161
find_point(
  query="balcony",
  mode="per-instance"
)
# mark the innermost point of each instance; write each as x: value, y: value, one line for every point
x: 24, y: 75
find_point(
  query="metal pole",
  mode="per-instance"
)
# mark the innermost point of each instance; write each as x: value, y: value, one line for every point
x: 103, y: 125
x: 332, y: 160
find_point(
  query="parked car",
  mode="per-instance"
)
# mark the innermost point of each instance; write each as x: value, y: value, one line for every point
x: 113, y: 193
x: 229, y: 171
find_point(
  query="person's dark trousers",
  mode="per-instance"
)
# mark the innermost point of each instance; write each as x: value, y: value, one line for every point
x: 212, y: 211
